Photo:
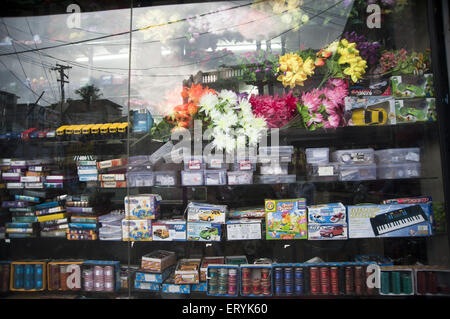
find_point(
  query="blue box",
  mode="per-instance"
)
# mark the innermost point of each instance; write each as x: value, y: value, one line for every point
x: 362, y: 221
x: 327, y: 214
x: 203, y: 231
x: 142, y: 121
x: 201, y: 287
x: 143, y: 276
x: 170, y: 287
x: 147, y: 285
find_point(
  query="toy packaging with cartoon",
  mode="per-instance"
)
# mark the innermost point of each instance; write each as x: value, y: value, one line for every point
x: 137, y: 230
x: 201, y: 212
x: 327, y: 221
x: 394, y: 220
x: 203, y: 231
x: 415, y: 110
x: 412, y: 85
x: 169, y: 230
x: 144, y: 206
x: 286, y: 219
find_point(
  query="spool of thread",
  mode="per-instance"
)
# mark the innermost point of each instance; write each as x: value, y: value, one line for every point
x: 385, y: 282
x: 349, y: 280
x: 88, y: 279
x: 325, y: 280
x: 38, y: 276
x: 109, y: 278
x: 99, y: 278
x: 422, y: 282
x: 19, y: 276
x: 432, y: 282
x: 395, y: 280
x: 54, y: 279
x: 314, y: 280
x: 359, y: 280
x: 29, y: 276
x: 298, y: 281
x: 4, y: 278
x: 334, y: 280
x: 406, y: 283
x: 63, y: 277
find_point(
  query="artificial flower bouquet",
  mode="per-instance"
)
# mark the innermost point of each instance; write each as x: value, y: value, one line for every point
x: 257, y: 66
x: 277, y: 110
x: 324, y: 107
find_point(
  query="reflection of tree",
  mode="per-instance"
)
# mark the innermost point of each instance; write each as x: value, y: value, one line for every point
x: 89, y: 93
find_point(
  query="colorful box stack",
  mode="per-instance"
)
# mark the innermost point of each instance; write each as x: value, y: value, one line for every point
x: 140, y: 211
x: 112, y: 173
x: 83, y: 221
x: 87, y: 168
x: 24, y: 221
x: 156, y: 268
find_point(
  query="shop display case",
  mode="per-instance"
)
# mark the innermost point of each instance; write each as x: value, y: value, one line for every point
x: 224, y: 150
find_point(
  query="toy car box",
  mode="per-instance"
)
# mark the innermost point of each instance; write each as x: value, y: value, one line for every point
x: 369, y: 111
x: 394, y: 220
x: 158, y: 260
x: 144, y: 206
x: 370, y: 86
x: 187, y: 271
x: 415, y: 110
x: 286, y: 219
x: 169, y: 230
x: 327, y: 231
x: 412, y: 85
x: 199, y: 212
x: 244, y: 229
x: 209, y: 261
x: 201, y: 231
x: 137, y: 230
x: 334, y: 213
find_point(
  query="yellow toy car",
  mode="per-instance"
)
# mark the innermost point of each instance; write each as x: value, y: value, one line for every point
x: 209, y: 215
x: 375, y: 116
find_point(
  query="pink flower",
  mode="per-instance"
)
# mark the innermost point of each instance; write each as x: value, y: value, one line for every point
x: 334, y: 120
x: 312, y: 100
x: 316, y: 118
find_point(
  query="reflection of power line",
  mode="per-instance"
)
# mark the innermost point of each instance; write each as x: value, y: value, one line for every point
x: 20, y: 81
x: 129, y: 31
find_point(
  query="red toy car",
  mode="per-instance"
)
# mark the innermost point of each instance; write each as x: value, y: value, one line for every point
x: 337, y: 217
x: 332, y: 231
x: 26, y: 134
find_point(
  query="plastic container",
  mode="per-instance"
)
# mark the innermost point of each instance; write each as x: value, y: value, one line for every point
x: 192, y: 178
x: 240, y: 178
x: 276, y: 179
x: 322, y: 172
x: 282, y: 154
x: 215, y: 177
x: 166, y: 178
x: 356, y: 156
x: 245, y: 164
x: 357, y: 172
x: 274, y: 169
x: 317, y: 155
x: 194, y: 162
x: 216, y: 162
x: 398, y: 155
x: 140, y: 178
x: 394, y: 171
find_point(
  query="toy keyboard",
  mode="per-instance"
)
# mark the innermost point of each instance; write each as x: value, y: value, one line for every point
x: 397, y: 219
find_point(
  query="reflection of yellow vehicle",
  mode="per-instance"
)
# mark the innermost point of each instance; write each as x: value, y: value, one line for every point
x: 77, y: 129
x: 122, y: 127
x: 363, y: 117
x: 209, y: 216
x: 87, y: 129
x: 96, y: 128
x: 113, y: 128
x: 60, y: 131
x: 105, y: 128
x: 69, y: 129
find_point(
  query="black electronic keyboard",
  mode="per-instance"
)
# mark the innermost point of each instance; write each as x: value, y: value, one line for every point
x: 397, y: 219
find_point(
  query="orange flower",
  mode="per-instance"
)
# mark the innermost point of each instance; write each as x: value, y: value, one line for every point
x: 192, y: 109
x: 319, y: 62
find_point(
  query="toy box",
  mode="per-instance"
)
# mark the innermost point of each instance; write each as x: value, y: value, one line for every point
x: 187, y: 271
x: 171, y: 287
x: 203, y: 231
x: 244, y: 229
x: 64, y: 275
x: 199, y: 212
x: 144, y: 206
x: 395, y: 220
x: 28, y: 276
x: 142, y: 285
x: 286, y: 219
x: 208, y: 261
x: 412, y: 85
x: 137, y: 230
x: 145, y: 276
x: 256, y: 280
x: 370, y: 86
x: 317, y: 155
x: 201, y: 287
x: 100, y: 275
x: 408, y: 200
x: 334, y: 213
x: 247, y: 213
x: 169, y: 230
x: 327, y: 231
x: 223, y: 280
x: 112, y: 163
x: 396, y: 280
x: 158, y: 260
x: 415, y: 110
x: 369, y: 111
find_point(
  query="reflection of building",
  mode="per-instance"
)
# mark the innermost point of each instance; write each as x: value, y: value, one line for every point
x: 98, y: 111
x: 8, y: 104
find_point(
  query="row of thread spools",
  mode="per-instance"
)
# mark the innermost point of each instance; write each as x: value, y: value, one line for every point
x: 94, y: 278
x: 321, y: 280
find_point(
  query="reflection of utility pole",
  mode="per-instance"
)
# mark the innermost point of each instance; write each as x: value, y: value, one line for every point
x: 60, y: 68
